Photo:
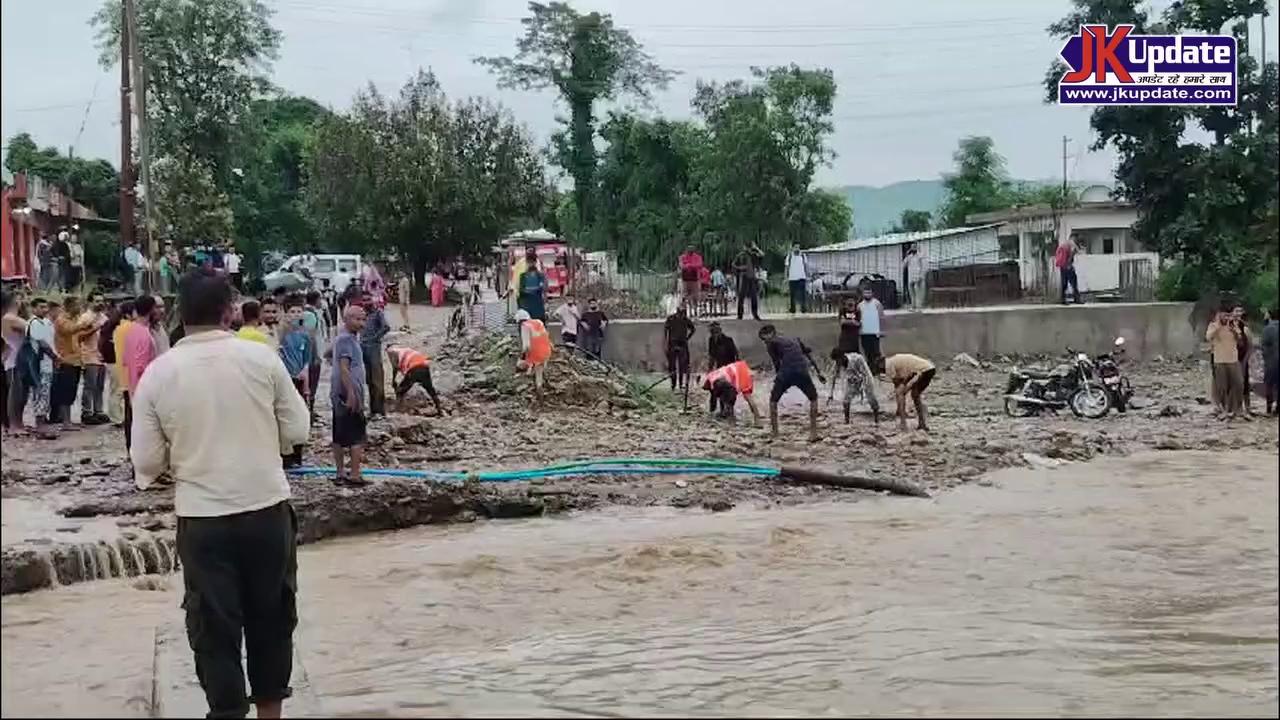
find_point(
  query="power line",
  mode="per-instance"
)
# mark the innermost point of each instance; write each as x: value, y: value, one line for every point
x: 692, y: 27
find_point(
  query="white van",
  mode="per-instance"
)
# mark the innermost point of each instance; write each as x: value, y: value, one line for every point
x: 304, y: 272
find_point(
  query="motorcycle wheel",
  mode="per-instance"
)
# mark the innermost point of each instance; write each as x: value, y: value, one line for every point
x: 1119, y: 402
x: 1090, y: 402
x: 1016, y: 409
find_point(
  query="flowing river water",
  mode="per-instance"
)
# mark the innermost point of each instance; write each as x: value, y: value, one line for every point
x: 1136, y: 586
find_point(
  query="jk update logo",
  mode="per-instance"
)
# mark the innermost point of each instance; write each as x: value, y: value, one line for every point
x: 1121, y: 68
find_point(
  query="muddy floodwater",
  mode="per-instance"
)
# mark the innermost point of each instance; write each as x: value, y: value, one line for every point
x: 1144, y: 585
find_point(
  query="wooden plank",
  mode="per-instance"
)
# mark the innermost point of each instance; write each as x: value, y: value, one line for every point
x: 176, y: 693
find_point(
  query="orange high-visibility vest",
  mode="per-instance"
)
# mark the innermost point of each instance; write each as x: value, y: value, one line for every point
x: 738, y: 374
x: 539, y: 343
x: 408, y: 359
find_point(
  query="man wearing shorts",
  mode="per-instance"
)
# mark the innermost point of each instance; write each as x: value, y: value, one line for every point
x: 910, y: 374
x: 346, y: 393
x: 791, y: 360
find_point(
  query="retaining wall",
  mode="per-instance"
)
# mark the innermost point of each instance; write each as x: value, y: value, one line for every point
x: 1149, y: 329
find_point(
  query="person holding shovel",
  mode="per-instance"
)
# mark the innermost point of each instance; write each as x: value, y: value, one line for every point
x: 792, y: 360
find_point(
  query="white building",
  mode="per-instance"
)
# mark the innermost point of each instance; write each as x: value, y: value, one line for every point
x: 1102, y: 230
x: 882, y: 255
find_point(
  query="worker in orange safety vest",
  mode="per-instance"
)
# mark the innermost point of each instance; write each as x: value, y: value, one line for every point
x: 416, y: 369
x: 536, y: 346
x: 726, y: 383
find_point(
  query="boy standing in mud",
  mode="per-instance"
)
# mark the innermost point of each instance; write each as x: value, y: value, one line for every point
x: 791, y: 360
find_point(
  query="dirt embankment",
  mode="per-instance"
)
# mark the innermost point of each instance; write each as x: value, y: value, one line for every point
x: 593, y: 412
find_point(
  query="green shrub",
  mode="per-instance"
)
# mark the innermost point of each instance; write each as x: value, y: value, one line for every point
x: 1263, y: 293
x: 1181, y: 282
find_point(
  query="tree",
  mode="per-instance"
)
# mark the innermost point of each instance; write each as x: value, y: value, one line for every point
x: 586, y: 58
x: 645, y: 181
x: 914, y: 221
x: 269, y: 176
x: 766, y: 140
x: 93, y: 183
x: 189, y: 208
x: 206, y: 61
x: 979, y: 183
x: 420, y: 176
x: 1210, y: 206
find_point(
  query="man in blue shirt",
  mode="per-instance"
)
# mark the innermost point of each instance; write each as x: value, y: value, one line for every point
x: 297, y: 348
x: 346, y: 393
x: 791, y: 360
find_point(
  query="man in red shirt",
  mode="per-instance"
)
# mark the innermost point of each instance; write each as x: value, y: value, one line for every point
x: 1065, y: 260
x: 691, y: 277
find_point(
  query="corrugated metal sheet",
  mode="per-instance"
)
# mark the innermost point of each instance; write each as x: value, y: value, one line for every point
x: 905, y: 238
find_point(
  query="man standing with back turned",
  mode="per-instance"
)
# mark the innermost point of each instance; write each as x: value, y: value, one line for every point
x: 236, y: 529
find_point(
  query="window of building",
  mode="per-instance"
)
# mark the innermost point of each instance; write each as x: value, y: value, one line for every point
x: 1108, y: 246
x: 1009, y: 247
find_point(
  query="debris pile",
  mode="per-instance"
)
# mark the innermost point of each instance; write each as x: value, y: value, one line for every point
x: 487, y: 362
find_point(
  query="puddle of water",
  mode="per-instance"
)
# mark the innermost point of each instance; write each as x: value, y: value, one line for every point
x: 1145, y: 585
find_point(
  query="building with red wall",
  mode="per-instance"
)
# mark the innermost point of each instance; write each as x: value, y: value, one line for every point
x: 29, y: 207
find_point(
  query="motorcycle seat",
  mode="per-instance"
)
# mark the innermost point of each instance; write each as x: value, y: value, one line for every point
x: 1039, y: 373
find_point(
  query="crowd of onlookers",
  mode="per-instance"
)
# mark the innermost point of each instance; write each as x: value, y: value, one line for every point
x: 1231, y: 345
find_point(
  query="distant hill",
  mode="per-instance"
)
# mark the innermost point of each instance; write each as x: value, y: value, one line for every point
x: 877, y: 209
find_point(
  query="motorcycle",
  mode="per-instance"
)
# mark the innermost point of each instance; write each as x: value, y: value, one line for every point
x: 1115, y: 383
x: 1076, y: 385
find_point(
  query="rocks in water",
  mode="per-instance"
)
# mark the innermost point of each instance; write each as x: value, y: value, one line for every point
x: 717, y: 504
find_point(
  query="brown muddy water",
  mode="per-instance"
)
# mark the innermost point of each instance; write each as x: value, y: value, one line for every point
x: 1137, y: 586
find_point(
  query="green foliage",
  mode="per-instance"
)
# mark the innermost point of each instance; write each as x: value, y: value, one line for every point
x: 766, y: 140
x: 1263, y: 292
x: 586, y: 58
x: 979, y: 183
x: 187, y: 206
x: 206, y: 61
x: 914, y: 221
x: 269, y: 169
x: 92, y: 183
x: 1209, y: 206
x: 645, y: 181
x: 420, y: 176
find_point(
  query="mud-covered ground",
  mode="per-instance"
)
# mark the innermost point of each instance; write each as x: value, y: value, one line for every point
x: 83, y: 476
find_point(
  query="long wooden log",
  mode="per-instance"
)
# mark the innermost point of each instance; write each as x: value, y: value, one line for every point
x: 791, y: 473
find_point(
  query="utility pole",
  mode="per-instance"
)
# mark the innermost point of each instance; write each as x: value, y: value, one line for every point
x: 1065, y: 141
x: 144, y: 144
x: 126, y: 133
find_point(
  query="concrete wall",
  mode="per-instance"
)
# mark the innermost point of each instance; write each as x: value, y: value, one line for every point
x: 1149, y: 329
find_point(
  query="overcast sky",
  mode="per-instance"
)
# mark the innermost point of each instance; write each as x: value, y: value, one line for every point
x: 913, y: 77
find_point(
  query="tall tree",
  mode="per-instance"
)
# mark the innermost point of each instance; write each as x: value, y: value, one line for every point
x: 1208, y: 205
x: 269, y: 176
x: 206, y: 61
x: 645, y: 180
x: 586, y: 58
x: 979, y: 183
x: 189, y: 207
x: 421, y: 176
x: 767, y: 138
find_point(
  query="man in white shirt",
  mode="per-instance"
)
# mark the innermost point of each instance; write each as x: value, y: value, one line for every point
x: 137, y: 264
x: 917, y: 266
x: 231, y: 262
x: 798, y: 279
x: 569, y: 316
x: 871, y: 313
x: 216, y: 413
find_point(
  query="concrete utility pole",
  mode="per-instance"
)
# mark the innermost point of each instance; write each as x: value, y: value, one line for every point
x: 126, y: 133
x: 1065, y: 141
